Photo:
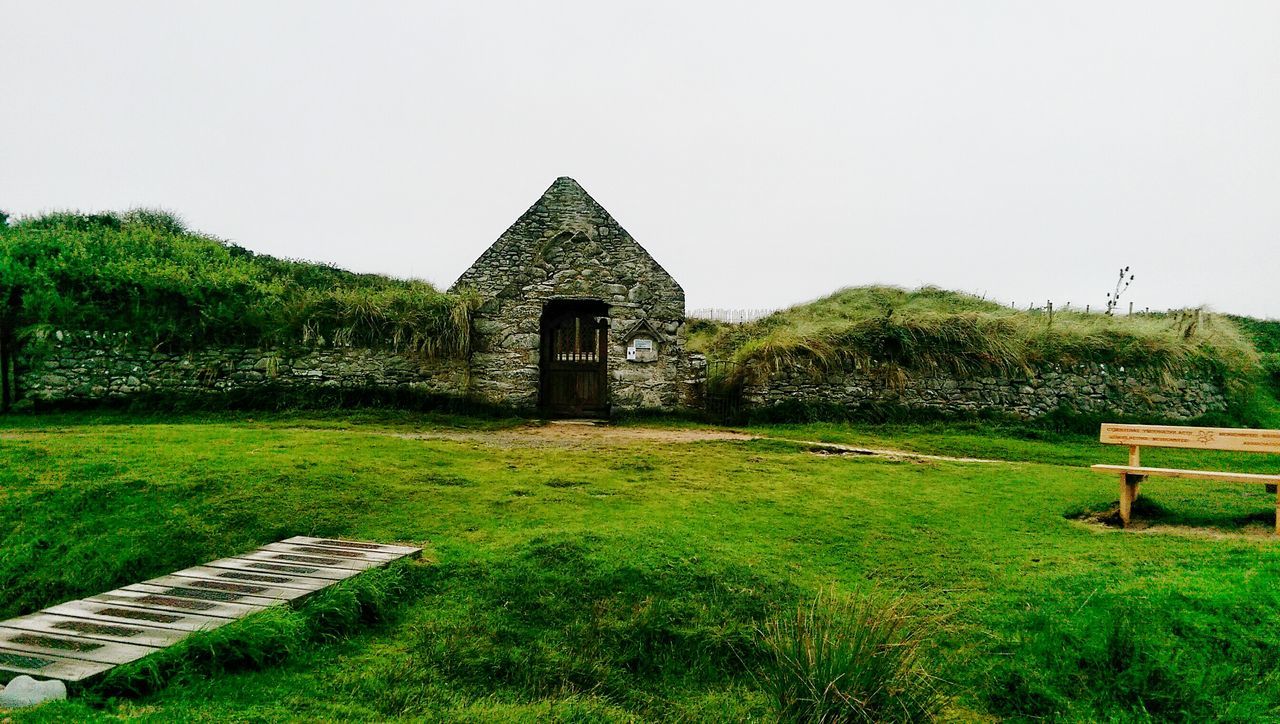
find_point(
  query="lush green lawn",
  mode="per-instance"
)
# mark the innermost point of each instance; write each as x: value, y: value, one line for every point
x: 626, y: 579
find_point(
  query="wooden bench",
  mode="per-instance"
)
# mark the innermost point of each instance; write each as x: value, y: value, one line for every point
x: 1196, y: 438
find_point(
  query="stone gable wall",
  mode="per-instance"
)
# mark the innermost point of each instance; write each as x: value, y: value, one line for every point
x: 1086, y: 390
x: 567, y: 247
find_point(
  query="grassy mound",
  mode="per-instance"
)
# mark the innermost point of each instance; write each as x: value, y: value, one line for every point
x: 931, y: 330
x: 142, y: 273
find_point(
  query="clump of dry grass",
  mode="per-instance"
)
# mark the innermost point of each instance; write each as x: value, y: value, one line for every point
x: 849, y: 659
x: 415, y: 319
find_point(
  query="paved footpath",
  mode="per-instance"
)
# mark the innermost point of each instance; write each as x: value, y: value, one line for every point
x: 80, y: 640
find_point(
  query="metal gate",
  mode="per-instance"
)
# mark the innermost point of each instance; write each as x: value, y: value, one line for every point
x: 575, y: 359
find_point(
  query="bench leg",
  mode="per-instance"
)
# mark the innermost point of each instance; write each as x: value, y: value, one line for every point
x: 1128, y: 492
x: 1278, y: 512
x: 1135, y: 461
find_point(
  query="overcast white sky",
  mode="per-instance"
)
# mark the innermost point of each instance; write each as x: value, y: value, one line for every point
x: 765, y: 154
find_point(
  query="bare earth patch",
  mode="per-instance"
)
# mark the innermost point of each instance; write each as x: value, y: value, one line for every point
x: 576, y: 434
x: 830, y: 448
x: 1109, y: 520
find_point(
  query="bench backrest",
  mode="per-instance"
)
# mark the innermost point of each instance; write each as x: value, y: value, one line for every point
x: 1199, y: 438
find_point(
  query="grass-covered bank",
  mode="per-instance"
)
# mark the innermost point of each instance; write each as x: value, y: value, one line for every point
x: 898, y: 332
x: 143, y: 274
x: 630, y: 580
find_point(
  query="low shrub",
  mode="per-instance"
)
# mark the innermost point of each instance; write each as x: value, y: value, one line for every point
x: 1271, y: 367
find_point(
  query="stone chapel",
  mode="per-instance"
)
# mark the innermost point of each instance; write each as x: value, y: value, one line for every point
x: 576, y: 319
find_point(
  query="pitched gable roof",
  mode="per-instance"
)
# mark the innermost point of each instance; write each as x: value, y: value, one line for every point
x: 565, y: 216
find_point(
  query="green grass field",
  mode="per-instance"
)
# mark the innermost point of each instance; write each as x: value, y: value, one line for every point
x: 587, y: 577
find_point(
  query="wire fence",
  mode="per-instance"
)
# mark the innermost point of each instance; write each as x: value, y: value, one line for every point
x: 742, y: 316
x: 1050, y: 307
x: 730, y: 316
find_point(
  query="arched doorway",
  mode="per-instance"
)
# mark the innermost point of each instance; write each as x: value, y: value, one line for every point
x: 575, y: 358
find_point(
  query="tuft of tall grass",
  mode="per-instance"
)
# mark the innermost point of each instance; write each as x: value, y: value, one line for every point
x: 849, y: 659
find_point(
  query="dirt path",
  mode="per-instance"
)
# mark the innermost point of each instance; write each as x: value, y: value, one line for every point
x: 585, y: 435
x: 578, y: 435
x: 833, y: 448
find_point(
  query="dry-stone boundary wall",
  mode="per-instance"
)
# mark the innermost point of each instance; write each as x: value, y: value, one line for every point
x: 86, y: 368
x: 83, y: 367
x: 1088, y: 390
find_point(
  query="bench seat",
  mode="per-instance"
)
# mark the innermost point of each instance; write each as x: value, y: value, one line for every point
x: 1193, y: 438
x: 1195, y: 474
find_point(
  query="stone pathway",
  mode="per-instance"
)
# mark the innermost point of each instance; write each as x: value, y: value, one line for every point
x: 80, y: 640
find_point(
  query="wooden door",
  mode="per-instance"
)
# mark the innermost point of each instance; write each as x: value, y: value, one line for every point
x: 575, y: 344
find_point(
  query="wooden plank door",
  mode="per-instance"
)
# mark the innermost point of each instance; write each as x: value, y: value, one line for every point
x: 575, y: 344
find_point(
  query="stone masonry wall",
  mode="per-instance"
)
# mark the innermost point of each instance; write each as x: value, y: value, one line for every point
x: 82, y: 367
x: 1093, y: 390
